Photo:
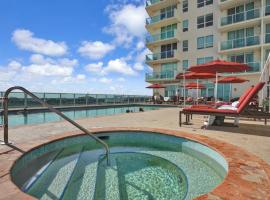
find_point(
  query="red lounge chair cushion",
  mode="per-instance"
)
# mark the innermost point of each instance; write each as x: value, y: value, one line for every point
x: 210, y: 110
x: 241, y: 99
x: 250, y: 96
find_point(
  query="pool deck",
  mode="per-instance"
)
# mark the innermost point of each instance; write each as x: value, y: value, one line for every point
x: 246, y: 148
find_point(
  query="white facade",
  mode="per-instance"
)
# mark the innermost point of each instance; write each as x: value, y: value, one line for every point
x: 238, y: 31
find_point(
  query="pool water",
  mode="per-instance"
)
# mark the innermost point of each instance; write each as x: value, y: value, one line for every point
x: 44, y: 117
x: 142, y: 166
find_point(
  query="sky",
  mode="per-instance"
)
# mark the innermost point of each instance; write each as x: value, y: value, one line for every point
x: 82, y: 46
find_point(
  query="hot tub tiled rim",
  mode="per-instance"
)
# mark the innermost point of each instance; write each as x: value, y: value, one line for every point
x: 233, y: 186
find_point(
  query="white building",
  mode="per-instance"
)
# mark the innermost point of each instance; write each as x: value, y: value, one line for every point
x: 183, y: 33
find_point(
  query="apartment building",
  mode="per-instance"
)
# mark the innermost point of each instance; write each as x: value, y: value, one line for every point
x: 182, y: 33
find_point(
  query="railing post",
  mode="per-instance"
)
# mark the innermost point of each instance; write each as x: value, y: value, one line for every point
x: 60, y: 99
x: 5, y: 107
x: 25, y: 100
x: 74, y: 101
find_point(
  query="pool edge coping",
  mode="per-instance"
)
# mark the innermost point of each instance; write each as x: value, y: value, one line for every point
x: 238, y: 184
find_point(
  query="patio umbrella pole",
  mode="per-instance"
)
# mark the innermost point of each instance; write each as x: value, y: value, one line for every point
x: 216, y: 87
x: 197, y: 90
x: 184, y: 89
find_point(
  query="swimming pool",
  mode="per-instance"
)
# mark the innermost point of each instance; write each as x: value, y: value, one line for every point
x: 143, y: 165
x: 38, y: 117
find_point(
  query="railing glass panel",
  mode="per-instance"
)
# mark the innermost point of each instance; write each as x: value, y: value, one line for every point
x: 239, y: 17
x: 238, y: 43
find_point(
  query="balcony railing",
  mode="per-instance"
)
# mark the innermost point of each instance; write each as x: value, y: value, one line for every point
x: 166, y: 75
x: 238, y: 43
x: 161, y: 36
x: 151, y: 2
x: 162, y: 16
x: 267, y: 10
x: 159, y: 56
x: 267, y: 38
x: 239, y: 17
x: 255, y: 66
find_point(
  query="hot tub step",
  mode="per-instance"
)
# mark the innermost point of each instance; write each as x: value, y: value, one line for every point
x: 107, y: 180
x: 52, y: 183
x: 82, y: 182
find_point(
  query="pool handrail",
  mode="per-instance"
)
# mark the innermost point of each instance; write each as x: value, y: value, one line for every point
x: 52, y: 109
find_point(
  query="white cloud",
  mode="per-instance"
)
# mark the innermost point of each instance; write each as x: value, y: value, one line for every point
x: 119, y: 66
x: 105, y: 80
x: 121, y: 79
x: 138, y: 66
x: 50, y: 67
x: 70, y: 79
x: 25, y: 40
x: 140, y: 45
x: 95, y: 50
x: 94, y: 67
x: 127, y: 22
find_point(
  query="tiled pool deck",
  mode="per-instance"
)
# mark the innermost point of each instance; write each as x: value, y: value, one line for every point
x: 248, y: 177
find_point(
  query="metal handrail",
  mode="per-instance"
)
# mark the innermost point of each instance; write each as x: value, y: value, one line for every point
x: 43, y: 103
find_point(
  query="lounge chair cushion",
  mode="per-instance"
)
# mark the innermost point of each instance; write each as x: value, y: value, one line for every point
x: 210, y: 110
x: 244, y: 95
x: 250, y: 96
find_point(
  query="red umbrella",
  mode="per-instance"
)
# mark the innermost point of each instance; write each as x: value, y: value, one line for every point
x: 219, y: 66
x: 195, y: 75
x: 232, y: 79
x: 155, y: 86
x: 195, y: 86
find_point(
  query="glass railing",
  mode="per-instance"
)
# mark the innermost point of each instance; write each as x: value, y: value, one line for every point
x: 255, y: 66
x: 160, y: 17
x: 151, y: 2
x: 267, y: 38
x: 239, y: 17
x: 166, y: 75
x: 241, y: 42
x: 20, y: 100
x: 267, y: 10
x: 160, y: 36
x: 159, y: 56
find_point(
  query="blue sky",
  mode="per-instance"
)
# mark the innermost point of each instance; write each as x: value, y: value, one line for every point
x: 94, y: 46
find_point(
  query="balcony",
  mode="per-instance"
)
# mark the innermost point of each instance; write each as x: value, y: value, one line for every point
x: 162, y: 20
x: 162, y: 38
x: 226, y: 4
x: 240, y: 43
x: 163, y: 57
x: 240, y: 20
x: 154, y: 5
x: 160, y: 76
x: 267, y: 38
x: 255, y: 66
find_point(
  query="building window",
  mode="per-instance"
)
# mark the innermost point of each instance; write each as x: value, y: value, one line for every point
x: 204, y: 60
x: 167, y: 51
x: 200, y: 22
x: 200, y: 42
x: 205, y: 42
x: 185, y: 64
x: 185, y: 45
x: 202, y: 3
x: 185, y: 6
x: 209, y: 41
x: 168, y: 31
x: 185, y: 25
x: 205, y: 21
x: 209, y: 20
